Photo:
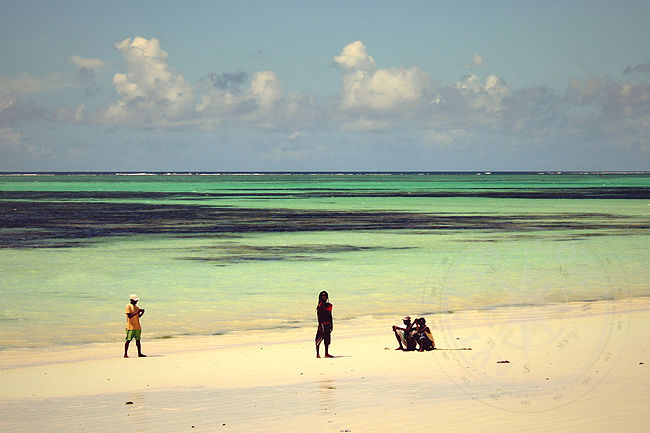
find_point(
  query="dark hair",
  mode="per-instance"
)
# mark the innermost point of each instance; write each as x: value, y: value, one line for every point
x: 319, y: 296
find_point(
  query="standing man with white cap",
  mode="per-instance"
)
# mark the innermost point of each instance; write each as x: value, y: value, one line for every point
x: 133, y: 328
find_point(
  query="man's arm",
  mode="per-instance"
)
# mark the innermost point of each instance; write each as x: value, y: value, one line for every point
x: 331, y: 318
x: 132, y: 311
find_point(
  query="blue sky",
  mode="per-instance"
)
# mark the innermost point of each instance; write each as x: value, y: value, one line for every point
x: 324, y: 86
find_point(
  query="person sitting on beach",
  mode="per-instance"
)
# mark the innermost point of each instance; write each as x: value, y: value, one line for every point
x: 325, y: 323
x: 424, y: 335
x: 403, y: 335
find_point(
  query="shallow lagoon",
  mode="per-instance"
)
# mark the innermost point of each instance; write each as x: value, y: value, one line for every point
x: 210, y: 254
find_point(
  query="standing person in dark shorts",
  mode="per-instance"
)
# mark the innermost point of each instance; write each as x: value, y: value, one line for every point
x: 325, y: 324
x: 133, y: 328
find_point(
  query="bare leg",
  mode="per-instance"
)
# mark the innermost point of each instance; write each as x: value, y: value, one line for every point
x: 327, y: 351
x: 399, y: 340
x: 126, y: 348
x: 140, y: 354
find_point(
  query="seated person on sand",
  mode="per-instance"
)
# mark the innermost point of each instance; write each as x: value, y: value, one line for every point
x: 404, y: 336
x: 424, y: 335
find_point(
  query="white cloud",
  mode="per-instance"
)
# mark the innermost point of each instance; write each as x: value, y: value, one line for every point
x: 258, y: 105
x: 620, y: 112
x: 477, y: 61
x: 14, y: 110
x: 26, y: 83
x: 621, y: 100
x: 150, y: 93
x: 265, y: 89
x: 94, y: 64
x: 366, y: 87
x: 355, y: 57
x: 482, y: 96
x: 9, y: 136
x: 372, y: 99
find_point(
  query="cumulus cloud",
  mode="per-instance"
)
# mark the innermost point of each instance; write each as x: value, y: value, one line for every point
x: 477, y: 61
x: 24, y: 83
x: 355, y: 57
x: 14, y: 110
x: 615, y: 99
x: 486, y: 95
x: 367, y: 87
x: 372, y: 99
x: 153, y: 95
x: 470, y: 104
x: 376, y: 99
x: 265, y: 89
x: 149, y: 92
x: 620, y: 112
x: 255, y: 105
x: 94, y: 64
x: 532, y: 112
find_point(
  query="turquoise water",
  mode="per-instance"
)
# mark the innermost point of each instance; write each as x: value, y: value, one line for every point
x: 214, y: 253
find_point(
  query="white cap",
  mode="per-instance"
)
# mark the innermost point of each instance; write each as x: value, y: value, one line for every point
x: 134, y: 297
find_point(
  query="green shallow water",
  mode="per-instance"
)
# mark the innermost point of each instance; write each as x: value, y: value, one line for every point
x: 209, y: 254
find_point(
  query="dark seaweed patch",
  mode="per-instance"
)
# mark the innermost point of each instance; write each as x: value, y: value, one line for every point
x: 621, y: 193
x: 230, y: 260
x: 236, y: 253
x: 58, y: 221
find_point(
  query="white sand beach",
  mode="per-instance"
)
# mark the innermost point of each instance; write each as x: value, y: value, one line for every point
x: 580, y: 367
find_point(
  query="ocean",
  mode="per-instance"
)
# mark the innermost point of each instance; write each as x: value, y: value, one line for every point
x: 213, y: 253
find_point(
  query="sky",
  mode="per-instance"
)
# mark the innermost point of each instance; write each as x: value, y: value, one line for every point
x: 244, y: 86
